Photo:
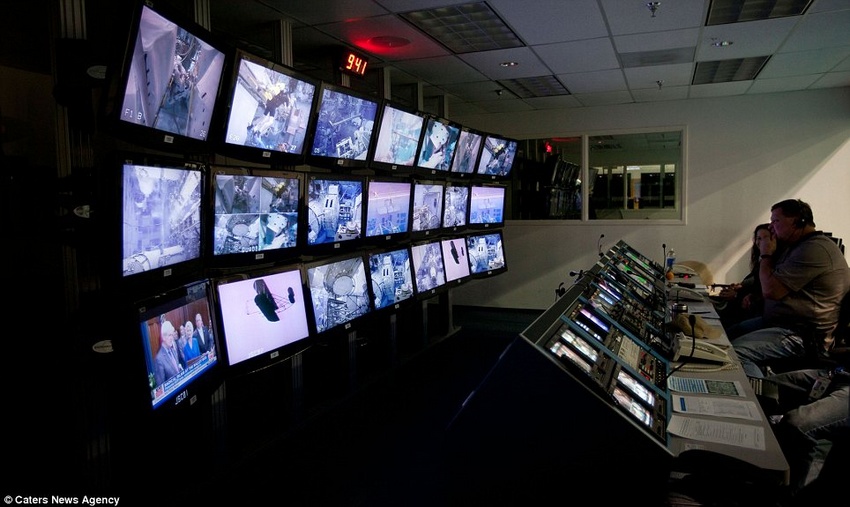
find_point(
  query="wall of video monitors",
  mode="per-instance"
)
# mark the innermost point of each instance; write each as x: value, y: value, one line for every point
x: 299, y: 207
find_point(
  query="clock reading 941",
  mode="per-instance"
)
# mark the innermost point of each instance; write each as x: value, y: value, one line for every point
x: 355, y: 64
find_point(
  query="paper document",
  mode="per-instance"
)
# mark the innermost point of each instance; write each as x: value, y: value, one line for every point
x: 739, y: 409
x: 720, y: 432
x: 704, y: 386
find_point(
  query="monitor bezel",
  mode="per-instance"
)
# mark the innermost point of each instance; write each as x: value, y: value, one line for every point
x: 455, y: 172
x: 433, y: 245
x: 155, y: 306
x: 257, y: 154
x: 454, y: 130
x: 421, y: 234
x: 336, y: 246
x: 335, y: 162
x: 260, y: 257
x: 373, y: 292
x: 278, y: 353
x: 160, y: 277
x: 486, y: 273
x: 379, y: 135
x: 386, y: 238
x: 453, y: 229
x: 481, y: 165
x: 477, y: 224
x: 463, y: 258
x: 120, y: 75
x: 351, y: 324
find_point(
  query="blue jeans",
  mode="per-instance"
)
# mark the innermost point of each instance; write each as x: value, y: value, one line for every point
x: 745, y: 326
x: 772, y: 346
x: 806, y: 429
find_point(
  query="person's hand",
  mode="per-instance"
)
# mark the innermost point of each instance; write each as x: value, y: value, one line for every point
x: 728, y: 293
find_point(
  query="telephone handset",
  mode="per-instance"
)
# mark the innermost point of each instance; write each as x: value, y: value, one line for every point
x: 685, y: 270
x: 702, y: 351
x: 679, y: 293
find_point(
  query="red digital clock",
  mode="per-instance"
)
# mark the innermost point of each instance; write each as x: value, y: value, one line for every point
x: 353, y: 63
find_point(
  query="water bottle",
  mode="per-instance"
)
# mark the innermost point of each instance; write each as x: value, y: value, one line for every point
x: 670, y: 260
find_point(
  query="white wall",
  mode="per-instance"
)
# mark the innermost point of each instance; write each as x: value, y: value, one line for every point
x: 744, y: 153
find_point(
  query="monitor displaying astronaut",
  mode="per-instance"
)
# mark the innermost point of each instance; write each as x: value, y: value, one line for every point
x: 486, y: 254
x: 497, y: 157
x: 270, y: 107
x: 255, y: 213
x: 344, y: 126
x: 334, y: 210
x: 438, y: 145
x: 391, y: 277
x: 456, y: 208
x: 173, y: 79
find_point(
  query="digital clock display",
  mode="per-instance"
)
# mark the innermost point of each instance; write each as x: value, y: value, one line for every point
x: 354, y: 63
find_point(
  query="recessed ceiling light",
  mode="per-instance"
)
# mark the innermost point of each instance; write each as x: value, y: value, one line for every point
x: 509, y: 64
x: 721, y: 43
x: 389, y: 41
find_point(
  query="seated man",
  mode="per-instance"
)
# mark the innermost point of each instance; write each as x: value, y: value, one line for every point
x: 815, y: 408
x: 803, y: 287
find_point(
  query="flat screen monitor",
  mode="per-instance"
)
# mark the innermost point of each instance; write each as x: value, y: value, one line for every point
x: 398, y: 137
x: 437, y: 149
x: 455, y: 259
x: 263, y: 315
x: 256, y: 214
x: 161, y: 219
x: 455, y: 207
x: 391, y: 277
x: 427, y: 208
x: 468, y: 149
x: 269, y: 113
x: 342, y: 132
x: 497, y: 157
x: 178, y: 343
x: 334, y: 212
x: 388, y: 210
x: 339, y: 291
x: 168, y: 87
x: 429, y: 271
x: 486, y: 254
x: 486, y: 206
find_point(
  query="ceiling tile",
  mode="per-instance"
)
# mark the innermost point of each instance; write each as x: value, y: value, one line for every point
x: 804, y: 62
x: 753, y: 38
x: 600, y: 80
x: 547, y: 21
x: 488, y: 63
x: 579, y: 56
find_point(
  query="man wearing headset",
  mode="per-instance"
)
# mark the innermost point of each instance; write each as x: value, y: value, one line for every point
x: 803, y: 285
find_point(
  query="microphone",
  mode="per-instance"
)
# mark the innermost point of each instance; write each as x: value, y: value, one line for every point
x: 576, y: 273
x: 599, y: 245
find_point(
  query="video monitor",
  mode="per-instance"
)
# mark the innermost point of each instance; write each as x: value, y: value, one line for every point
x: 455, y: 207
x: 391, y: 276
x: 263, y: 315
x: 497, y: 157
x: 486, y: 254
x: 255, y: 215
x: 429, y: 272
x: 398, y: 137
x: 169, y: 83
x: 427, y: 208
x: 455, y: 259
x: 387, y: 210
x: 438, y: 145
x: 339, y: 291
x: 342, y: 132
x: 161, y: 219
x: 466, y: 154
x: 334, y: 212
x: 178, y: 344
x: 269, y: 111
x: 486, y: 206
